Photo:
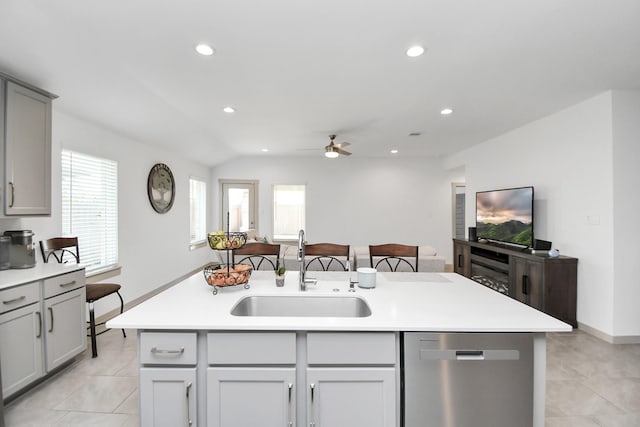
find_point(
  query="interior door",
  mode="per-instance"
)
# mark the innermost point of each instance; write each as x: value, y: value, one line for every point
x: 240, y: 202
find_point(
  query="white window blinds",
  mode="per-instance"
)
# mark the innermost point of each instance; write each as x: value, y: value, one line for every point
x: 198, y: 210
x: 90, y: 207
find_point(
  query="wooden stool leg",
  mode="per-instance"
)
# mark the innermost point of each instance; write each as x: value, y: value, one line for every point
x: 92, y: 327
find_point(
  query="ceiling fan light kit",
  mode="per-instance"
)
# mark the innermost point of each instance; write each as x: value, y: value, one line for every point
x: 330, y: 153
x: 334, y: 150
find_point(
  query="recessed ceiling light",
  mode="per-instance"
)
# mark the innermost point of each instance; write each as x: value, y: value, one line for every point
x: 414, y: 51
x: 204, y: 49
x: 415, y: 134
x: 394, y: 151
x: 446, y: 111
x: 229, y: 110
x: 265, y: 150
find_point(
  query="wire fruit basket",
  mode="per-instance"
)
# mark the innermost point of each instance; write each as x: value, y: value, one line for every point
x: 225, y: 276
x: 221, y: 240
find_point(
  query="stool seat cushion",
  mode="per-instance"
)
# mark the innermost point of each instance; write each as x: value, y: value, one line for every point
x: 95, y: 291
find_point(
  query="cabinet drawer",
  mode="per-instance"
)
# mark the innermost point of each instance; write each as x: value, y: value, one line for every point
x: 251, y: 348
x: 168, y: 348
x: 63, y: 283
x: 19, y: 296
x: 351, y: 348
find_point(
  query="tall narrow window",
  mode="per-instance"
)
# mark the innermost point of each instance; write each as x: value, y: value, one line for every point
x: 198, y: 211
x: 90, y: 207
x: 288, y: 211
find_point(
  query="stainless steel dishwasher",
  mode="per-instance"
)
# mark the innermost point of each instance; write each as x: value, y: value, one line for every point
x: 467, y: 379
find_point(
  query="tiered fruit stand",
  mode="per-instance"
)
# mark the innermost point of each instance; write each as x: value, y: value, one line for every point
x: 229, y: 274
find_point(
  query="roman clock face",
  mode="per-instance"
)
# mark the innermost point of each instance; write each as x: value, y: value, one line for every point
x: 161, y: 188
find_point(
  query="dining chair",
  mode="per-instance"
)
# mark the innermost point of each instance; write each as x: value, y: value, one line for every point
x: 393, y: 256
x: 65, y: 249
x: 259, y: 255
x: 327, y: 256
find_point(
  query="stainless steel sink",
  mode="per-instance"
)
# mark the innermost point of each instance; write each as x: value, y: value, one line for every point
x: 301, y: 306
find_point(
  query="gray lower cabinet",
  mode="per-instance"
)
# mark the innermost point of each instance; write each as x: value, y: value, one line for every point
x: 269, y: 378
x: 168, y: 397
x: 354, y: 397
x: 40, y: 334
x: 66, y: 334
x: 21, y: 351
x: 240, y: 397
x: 351, y: 379
x: 168, y: 379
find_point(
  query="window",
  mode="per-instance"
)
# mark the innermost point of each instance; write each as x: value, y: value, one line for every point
x: 197, y: 210
x: 288, y: 211
x: 90, y: 207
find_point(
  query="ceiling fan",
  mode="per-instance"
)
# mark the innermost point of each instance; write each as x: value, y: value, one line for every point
x: 334, y: 150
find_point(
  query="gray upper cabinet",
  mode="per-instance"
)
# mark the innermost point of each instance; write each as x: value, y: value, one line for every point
x: 25, y: 125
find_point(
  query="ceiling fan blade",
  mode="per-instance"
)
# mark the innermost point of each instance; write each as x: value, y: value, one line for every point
x: 342, y: 144
x: 341, y: 151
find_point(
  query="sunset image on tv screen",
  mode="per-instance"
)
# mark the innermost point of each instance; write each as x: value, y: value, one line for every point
x: 505, y: 215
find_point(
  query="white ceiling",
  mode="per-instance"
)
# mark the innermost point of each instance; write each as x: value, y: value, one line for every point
x: 298, y: 70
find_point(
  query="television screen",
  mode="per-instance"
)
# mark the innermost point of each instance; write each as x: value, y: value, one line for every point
x: 505, y: 215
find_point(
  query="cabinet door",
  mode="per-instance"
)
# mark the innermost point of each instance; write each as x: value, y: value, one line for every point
x: 21, y: 349
x: 529, y: 282
x: 66, y: 334
x: 168, y: 397
x: 351, y: 397
x: 241, y: 397
x: 462, y: 259
x: 27, y: 152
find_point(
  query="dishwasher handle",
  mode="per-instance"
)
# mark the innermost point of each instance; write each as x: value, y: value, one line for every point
x: 470, y: 354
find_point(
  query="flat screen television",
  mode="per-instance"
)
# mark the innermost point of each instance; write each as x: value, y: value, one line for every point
x: 505, y: 215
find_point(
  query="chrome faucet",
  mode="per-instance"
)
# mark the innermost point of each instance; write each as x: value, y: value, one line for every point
x: 300, y: 258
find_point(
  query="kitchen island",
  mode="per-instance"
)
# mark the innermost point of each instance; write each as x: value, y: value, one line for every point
x: 202, y: 365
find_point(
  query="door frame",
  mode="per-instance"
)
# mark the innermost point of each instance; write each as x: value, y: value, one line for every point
x: 454, y: 192
x: 254, y: 199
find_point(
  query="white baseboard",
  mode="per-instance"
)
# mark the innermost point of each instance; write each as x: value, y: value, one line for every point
x: 620, y: 339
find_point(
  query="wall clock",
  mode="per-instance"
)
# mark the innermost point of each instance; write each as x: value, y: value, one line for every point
x: 161, y: 188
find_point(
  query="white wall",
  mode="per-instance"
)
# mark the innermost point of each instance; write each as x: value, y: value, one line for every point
x: 355, y: 200
x: 153, y: 248
x: 569, y: 159
x: 626, y: 202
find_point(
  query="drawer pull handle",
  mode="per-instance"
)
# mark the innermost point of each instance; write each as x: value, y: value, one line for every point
x: 13, y: 194
x: 39, y: 324
x: 189, y: 420
x: 11, y: 301
x: 312, y: 423
x: 71, y: 283
x: 290, y: 423
x: 156, y: 350
x: 51, y: 313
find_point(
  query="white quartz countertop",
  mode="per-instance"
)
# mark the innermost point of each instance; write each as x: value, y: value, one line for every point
x: 19, y: 276
x: 399, y: 302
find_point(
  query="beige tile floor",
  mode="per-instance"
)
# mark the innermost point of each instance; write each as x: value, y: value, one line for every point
x: 589, y: 383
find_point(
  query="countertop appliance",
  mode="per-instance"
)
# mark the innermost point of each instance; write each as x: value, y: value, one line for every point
x: 467, y: 379
x: 5, y: 243
x: 22, y: 251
